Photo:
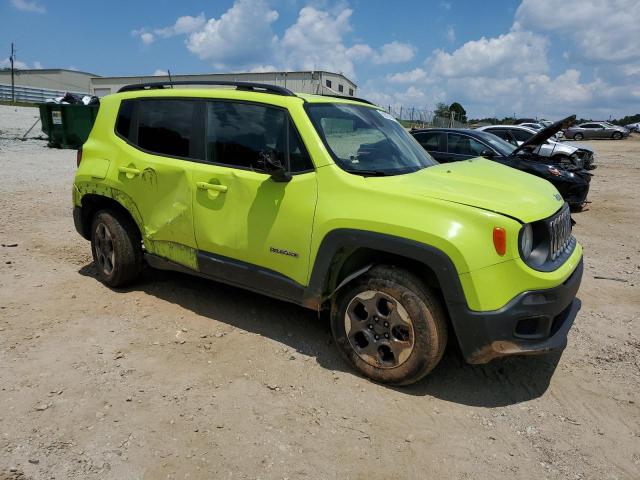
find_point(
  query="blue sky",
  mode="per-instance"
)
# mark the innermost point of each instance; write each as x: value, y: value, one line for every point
x: 528, y: 57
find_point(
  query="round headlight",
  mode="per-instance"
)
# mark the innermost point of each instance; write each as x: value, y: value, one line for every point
x: 526, y: 241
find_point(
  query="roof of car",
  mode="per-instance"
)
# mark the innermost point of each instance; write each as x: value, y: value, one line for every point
x: 227, y: 89
x: 443, y: 129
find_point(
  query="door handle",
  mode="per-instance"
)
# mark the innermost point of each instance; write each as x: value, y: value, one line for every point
x: 129, y: 171
x: 212, y: 186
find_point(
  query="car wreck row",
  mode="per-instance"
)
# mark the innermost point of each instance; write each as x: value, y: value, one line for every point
x: 532, y: 151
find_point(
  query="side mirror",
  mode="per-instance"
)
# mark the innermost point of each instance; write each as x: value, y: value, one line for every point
x: 270, y: 163
x: 488, y: 153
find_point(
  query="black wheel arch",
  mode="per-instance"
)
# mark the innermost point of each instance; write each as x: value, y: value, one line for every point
x: 93, y: 203
x: 345, y: 252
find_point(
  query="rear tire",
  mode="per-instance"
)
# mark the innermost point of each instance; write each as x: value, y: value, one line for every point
x: 616, y: 135
x: 116, y: 247
x: 578, y: 136
x: 389, y: 325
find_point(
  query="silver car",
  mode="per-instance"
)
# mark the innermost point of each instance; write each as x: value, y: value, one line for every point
x: 596, y: 130
x: 561, y: 153
x: 633, y: 127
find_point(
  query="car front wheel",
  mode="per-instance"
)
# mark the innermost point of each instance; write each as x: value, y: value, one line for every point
x: 116, y: 248
x: 578, y: 136
x: 616, y: 135
x: 389, y: 325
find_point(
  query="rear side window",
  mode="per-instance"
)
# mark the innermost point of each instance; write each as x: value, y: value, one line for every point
x: 125, y: 114
x: 521, y: 135
x: 238, y: 133
x: 504, y: 134
x: 430, y: 141
x: 166, y: 127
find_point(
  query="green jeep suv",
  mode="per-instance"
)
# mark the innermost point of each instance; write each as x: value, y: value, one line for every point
x: 330, y: 204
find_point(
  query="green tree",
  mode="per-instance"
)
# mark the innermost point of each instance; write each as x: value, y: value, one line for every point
x: 441, y: 110
x: 460, y: 112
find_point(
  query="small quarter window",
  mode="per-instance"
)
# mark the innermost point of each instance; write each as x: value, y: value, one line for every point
x: 328, y: 83
x: 123, y: 124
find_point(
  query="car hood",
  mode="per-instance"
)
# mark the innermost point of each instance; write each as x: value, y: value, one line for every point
x: 479, y: 183
x: 544, y: 134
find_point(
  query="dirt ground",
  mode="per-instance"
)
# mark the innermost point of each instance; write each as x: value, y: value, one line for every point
x: 178, y: 377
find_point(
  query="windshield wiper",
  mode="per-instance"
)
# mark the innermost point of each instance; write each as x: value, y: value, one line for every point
x: 366, y: 173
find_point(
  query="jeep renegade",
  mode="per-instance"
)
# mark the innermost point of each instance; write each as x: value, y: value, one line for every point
x: 330, y: 204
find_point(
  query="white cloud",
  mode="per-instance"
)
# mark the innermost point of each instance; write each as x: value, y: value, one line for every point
x: 412, y: 76
x: 241, y: 36
x: 510, y: 73
x: 517, y: 52
x: 394, y: 52
x: 17, y: 64
x: 28, y: 6
x: 315, y: 42
x: 160, y: 73
x: 37, y: 65
x: 183, y: 25
x: 604, y: 31
x: 147, y: 38
x: 450, y: 34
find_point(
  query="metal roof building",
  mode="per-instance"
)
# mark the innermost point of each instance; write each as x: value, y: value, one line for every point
x: 318, y: 82
x: 40, y: 84
x: 50, y: 78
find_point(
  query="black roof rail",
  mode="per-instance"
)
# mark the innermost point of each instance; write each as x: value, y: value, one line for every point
x: 255, y: 87
x: 355, y: 99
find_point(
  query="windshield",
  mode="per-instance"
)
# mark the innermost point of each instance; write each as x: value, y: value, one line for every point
x: 367, y: 141
x: 502, y: 146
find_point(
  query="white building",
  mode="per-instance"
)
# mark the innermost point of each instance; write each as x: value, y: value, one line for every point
x: 317, y: 82
x: 36, y: 85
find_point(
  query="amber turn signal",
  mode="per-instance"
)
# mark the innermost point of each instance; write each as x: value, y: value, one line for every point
x: 500, y: 240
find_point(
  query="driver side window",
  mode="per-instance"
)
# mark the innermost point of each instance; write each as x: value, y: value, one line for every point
x: 238, y: 133
x: 464, y: 145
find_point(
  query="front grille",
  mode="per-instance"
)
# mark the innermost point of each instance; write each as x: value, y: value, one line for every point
x: 560, y: 233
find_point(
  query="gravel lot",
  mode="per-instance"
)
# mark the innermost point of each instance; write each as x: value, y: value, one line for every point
x: 178, y: 377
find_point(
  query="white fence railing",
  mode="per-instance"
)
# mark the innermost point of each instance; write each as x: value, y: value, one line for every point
x: 31, y: 94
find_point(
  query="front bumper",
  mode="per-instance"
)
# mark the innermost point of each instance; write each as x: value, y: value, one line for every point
x: 534, y: 322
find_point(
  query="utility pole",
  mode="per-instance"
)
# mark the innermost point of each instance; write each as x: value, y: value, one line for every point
x: 13, y: 88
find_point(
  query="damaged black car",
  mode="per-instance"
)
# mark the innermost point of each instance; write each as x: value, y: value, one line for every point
x: 452, y: 145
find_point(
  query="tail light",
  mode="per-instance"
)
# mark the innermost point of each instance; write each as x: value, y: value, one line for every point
x: 500, y: 240
x: 78, y: 156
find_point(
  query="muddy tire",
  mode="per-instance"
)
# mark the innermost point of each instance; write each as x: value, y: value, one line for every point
x: 616, y: 135
x: 116, y: 248
x: 389, y: 325
x: 578, y: 136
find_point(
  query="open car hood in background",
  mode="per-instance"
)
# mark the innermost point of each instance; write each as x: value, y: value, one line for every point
x: 545, y: 134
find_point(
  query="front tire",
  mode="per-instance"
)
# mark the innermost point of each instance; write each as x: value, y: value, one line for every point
x: 389, y: 325
x: 116, y: 248
x: 578, y: 136
x: 616, y: 135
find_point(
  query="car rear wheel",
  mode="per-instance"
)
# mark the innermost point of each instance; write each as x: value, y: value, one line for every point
x: 578, y: 136
x: 116, y: 248
x: 616, y: 135
x: 389, y: 326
